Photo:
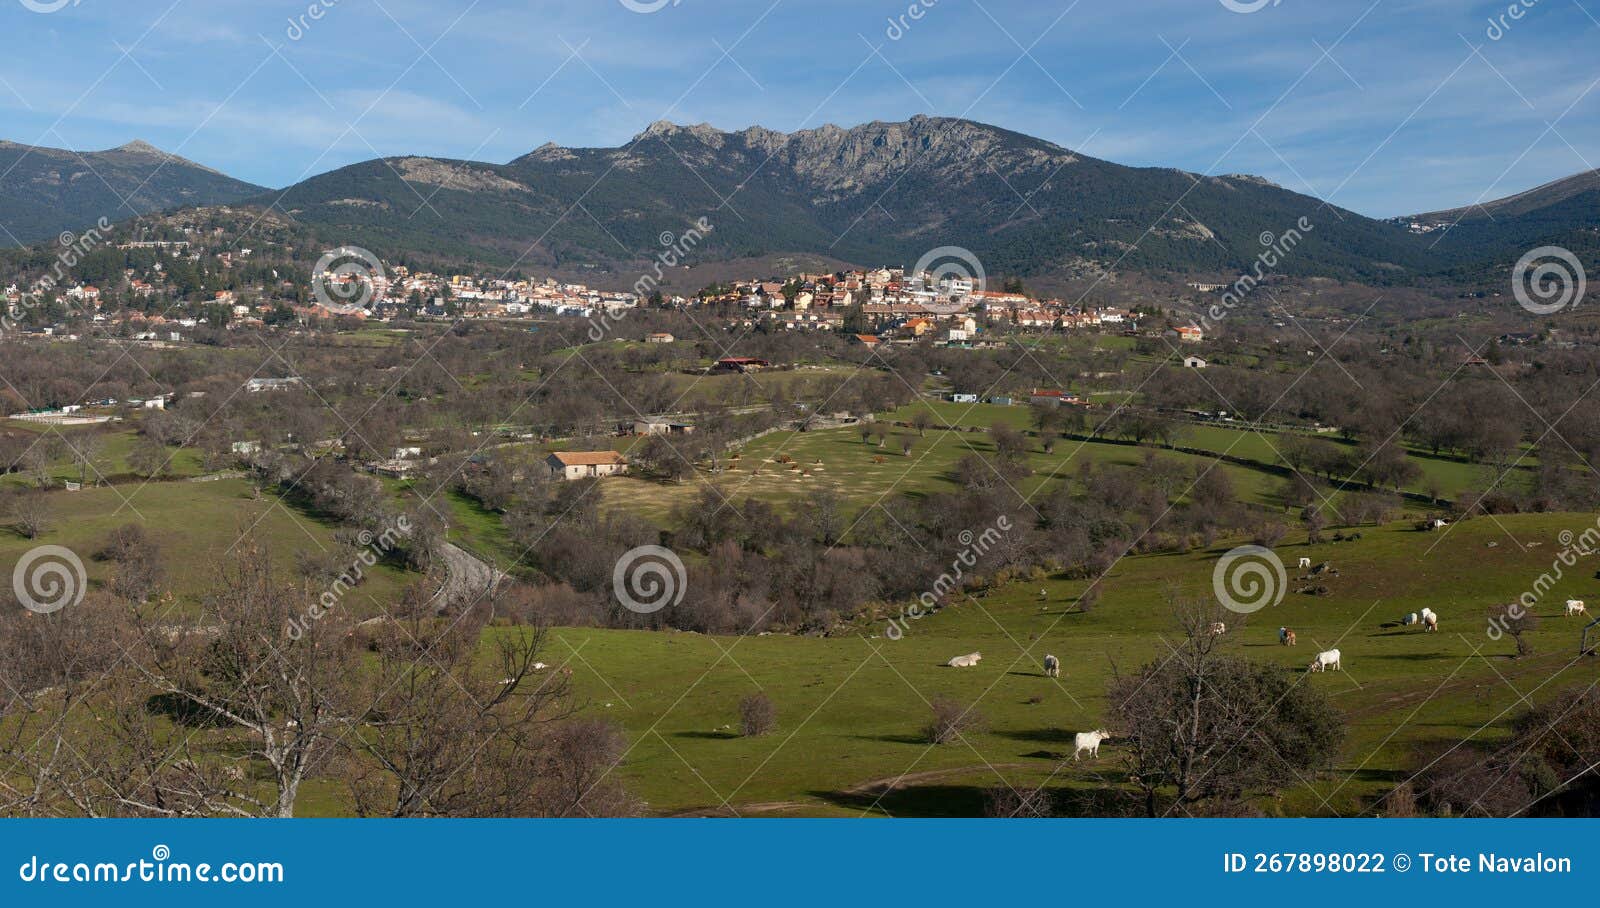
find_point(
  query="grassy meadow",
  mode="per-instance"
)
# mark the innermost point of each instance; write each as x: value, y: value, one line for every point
x: 851, y: 707
x: 196, y: 524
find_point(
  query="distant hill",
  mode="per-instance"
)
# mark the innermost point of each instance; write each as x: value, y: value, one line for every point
x: 1563, y: 212
x: 1582, y: 187
x: 876, y: 193
x: 44, y: 191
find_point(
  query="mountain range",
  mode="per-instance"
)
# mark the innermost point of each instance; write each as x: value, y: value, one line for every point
x: 881, y: 192
x: 44, y: 191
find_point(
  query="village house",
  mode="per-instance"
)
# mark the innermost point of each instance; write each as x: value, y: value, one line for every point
x: 661, y: 427
x: 257, y: 385
x: 570, y: 465
x: 740, y: 364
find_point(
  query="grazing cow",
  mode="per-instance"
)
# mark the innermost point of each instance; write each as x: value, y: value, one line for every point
x: 1327, y: 661
x: 1090, y: 741
x: 967, y: 661
x: 1430, y: 623
x: 1428, y: 615
x: 1305, y: 563
x: 1217, y: 629
x: 1286, y: 637
x: 1576, y: 607
x: 1052, y: 667
x: 1409, y: 620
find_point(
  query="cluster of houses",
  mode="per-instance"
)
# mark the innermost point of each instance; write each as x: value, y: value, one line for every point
x: 896, y: 305
x: 90, y: 413
x: 400, y: 290
x: 378, y: 294
x: 877, y: 305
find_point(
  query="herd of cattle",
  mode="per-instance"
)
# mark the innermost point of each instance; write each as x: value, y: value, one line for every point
x: 1328, y: 660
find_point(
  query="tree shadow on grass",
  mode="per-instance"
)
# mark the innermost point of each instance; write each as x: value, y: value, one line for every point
x: 930, y: 801
x: 895, y: 739
x: 913, y: 800
x: 183, y: 711
x: 1040, y: 736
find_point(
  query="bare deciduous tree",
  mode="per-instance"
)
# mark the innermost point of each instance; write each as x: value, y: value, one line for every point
x: 30, y: 513
x: 86, y: 449
x: 1204, y: 728
x: 451, y: 734
x: 149, y: 458
x: 1516, y: 621
x: 277, y: 667
x: 139, y: 571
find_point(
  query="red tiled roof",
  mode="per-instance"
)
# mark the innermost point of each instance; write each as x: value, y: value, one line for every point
x: 588, y: 458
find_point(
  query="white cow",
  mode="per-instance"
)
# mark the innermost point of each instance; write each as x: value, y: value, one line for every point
x: 1576, y: 607
x: 1090, y: 741
x: 1410, y: 619
x: 1430, y: 623
x: 967, y: 661
x: 1327, y: 661
x: 1052, y: 667
x: 1305, y: 563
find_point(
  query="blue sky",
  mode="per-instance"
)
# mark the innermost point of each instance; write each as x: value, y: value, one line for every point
x: 1383, y: 106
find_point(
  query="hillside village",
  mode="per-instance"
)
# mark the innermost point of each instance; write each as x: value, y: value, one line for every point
x: 163, y: 292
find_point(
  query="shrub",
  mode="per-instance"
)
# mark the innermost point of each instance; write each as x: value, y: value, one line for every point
x: 757, y: 715
x: 950, y: 721
x: 1269, y: 533
x: 1005, y: 802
